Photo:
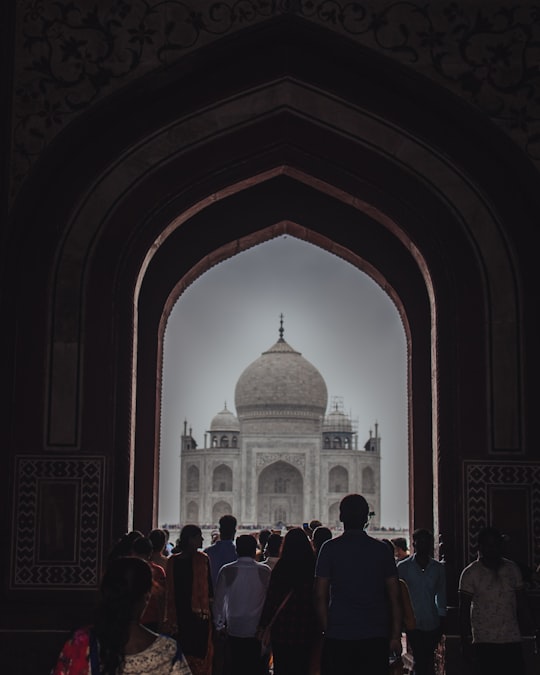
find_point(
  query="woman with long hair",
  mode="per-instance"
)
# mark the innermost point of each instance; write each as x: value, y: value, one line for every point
x: 188, y: 593
x: 117, y: 643
x: 294, y: 632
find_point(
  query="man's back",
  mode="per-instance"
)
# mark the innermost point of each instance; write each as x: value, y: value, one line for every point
x: 357, y: 566
x: 220, y: 553
x: 239, y: 596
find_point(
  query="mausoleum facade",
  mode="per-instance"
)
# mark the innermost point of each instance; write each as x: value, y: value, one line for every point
x: 282, y: 459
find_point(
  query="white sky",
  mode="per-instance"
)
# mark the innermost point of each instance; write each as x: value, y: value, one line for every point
x: 334, y: 314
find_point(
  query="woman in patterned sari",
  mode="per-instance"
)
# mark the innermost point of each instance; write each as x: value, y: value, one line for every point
x: 189, y: 589
x: 117, y: 643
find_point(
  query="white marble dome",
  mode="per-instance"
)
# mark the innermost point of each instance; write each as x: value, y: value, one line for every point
x: 225, y: 421
x: 337, y: 421
x: 281, y: 382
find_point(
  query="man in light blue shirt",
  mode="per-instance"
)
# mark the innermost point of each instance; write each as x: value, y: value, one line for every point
x: 223, y: 551
x: 426, y: 580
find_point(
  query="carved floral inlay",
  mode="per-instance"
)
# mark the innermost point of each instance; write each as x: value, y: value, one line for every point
x: 71, y: 54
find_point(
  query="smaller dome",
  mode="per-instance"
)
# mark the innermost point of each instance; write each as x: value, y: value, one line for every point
x: 225, y: 421
x: 337, y: 421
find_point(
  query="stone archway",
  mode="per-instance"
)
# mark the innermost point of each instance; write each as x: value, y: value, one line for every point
x: 371, y: 195
x: 280, y: 495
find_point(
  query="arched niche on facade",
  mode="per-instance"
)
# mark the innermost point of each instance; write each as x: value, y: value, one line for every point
x: 280, y: 495
x: 338, y: 479
x: 222, y: 479
x: 193, y: 478
x: 384, y: 188
x: 220, y: 509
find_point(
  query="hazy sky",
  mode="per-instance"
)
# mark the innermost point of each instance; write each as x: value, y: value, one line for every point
x: 334, y: 314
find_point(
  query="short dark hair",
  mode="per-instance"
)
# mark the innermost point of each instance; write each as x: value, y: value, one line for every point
x: 320, y: 535
x: 354, y: 511
x: 422, y: 532
x: 400, y: 542
x: 227, y: 526
x: 143, y: 547
x: 158, y: 539
x: 273, y: 545
x: 246, y: 545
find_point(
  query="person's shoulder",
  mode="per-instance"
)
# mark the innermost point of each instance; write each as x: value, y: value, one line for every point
x: 166, y: 643
x: 233, y: 563
x: 470, y: 569
x: 513, y: 567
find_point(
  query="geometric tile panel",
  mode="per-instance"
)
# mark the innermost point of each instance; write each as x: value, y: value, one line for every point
x: 481, y: 481
x: 57, y: 524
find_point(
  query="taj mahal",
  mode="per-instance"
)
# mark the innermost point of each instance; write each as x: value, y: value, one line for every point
x: 282, y: 459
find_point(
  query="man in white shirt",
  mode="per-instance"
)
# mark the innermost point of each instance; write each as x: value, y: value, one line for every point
x: 493, y: 609
x: 238, y: 601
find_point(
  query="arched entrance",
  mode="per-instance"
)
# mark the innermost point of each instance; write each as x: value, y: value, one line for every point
x: 280, y: 495
x: 384, y: 189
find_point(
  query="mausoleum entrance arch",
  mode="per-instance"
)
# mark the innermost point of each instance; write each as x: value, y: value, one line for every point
x: 373, y: 174
x: 280, y: 495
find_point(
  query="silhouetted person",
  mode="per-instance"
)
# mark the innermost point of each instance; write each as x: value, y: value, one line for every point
x: 221, y: 552
x: 401, y: 549
x: 493, y: 609
x: 238, y: 602
x: 117, y: 642
x: 426, y: 581
x: 154, y: 613
x: 272, y: 549
x: 294, y: 634
x: 357, y: 597
x: 189, y: 589
x: 320, y: 535
x: 159, y: 543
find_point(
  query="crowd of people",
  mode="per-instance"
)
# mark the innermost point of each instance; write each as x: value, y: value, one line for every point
x: 301, y: 603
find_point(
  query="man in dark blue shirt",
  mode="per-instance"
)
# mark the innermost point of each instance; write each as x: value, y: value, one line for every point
x: 357, y: 597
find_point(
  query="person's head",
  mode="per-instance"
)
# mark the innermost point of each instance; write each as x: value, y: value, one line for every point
x: 401, y: 549
x: 123, y: 546
x: 190, y: 539
x: 124, y: 592
x: 263, y: 538
x: 273, y: 545
x: 423, y: 542
x: 296, y: 546
x: 158, y: 539
x: 142, y: 548
x: 490, y: 544
x: 314, y: 524
x: 320, y: 535
x: 227, y: 526
x: 353, y: 512
x: 246, y: 546
x: 126, y: 583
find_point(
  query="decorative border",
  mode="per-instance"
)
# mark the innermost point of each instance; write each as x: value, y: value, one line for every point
x: 27, y: 572
x: 478, y: 478
x: 70, y: 55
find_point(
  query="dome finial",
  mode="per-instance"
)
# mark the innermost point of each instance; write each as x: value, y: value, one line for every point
x: 281, y: 329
